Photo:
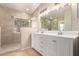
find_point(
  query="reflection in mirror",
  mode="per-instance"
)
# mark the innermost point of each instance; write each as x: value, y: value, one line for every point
x: 61, y: 26
x: 50, y: 21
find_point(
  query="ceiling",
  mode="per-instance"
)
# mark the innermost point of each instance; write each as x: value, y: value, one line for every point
x: 28, y: 8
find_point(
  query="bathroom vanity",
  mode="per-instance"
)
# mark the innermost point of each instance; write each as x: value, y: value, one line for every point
x: 54, y: 44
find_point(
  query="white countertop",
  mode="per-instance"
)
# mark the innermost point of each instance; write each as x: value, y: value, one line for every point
x: 66, y: 34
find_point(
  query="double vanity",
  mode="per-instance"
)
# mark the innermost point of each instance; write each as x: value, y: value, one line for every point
x: 51, y: 43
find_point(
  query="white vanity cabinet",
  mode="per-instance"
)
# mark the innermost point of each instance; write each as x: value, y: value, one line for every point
x: 44, y: 44
x: 38, y: 43
x: 51, y: 45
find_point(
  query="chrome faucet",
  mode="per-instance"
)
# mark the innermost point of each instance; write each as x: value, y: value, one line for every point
x: 59, y: 32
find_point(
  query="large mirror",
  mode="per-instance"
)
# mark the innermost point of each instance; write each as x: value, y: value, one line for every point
x: 51, y: 20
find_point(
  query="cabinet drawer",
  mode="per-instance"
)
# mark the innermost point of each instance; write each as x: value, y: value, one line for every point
x: 44, y: 44
x: 50, y: 39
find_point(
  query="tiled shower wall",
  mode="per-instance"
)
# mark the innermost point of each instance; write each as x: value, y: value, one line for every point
x: 7, y: 26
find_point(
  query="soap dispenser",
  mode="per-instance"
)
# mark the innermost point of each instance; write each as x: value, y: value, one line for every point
x: 61, y: 27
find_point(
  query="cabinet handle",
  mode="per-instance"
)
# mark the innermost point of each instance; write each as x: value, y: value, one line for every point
x: 53, y: 40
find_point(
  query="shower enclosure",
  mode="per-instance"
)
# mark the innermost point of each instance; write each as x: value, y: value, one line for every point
x: 11, y: 34
x: 10, y: 39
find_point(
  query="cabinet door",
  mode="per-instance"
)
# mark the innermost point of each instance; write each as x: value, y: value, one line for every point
x: 42, y: 49
x: 43, y: 46
x: 38, y: 43
x: 35, y: 41
x: 64, y: 46
x: 51, y: 46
